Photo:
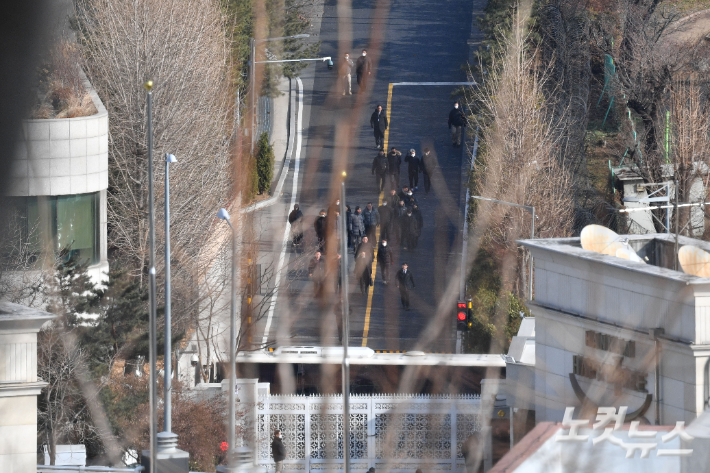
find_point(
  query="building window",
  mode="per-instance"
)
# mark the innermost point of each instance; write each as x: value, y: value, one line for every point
x: 67, y: 222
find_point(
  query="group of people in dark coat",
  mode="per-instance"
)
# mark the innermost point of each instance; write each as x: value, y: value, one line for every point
x: 387, y: 169
x: 399, y: 218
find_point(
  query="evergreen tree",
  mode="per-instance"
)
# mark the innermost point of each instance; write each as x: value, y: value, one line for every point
x: 265, y: 163
x: 123, y: 318
x: 70, y: 289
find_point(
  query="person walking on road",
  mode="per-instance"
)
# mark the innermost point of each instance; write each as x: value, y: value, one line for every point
x: 417, y: 214
x: 379, y: 123
x: 367, y: 246
x: 363, y: 271
x: 356, y: 227
x: 399, y: 213
x: 320, y: 227
x: 385, y: 211
x: 394, y: 162
x: 457, y: 120
x: 393, y: 198
x: 379, y: 169
x: 371, y: 219
x: 278, y: 451
x: 295, y: 219
x: 426, y: 167
x: 316, y: 271
x: 414, y: 168
x: 410, y: 230
x: 363, y: 69
x: 384, y: 260
x: 346, y: 73
x: 348, y: 213
x: 404, y: 282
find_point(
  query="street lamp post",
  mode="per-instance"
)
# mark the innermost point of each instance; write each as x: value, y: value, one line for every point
x: 346, y: 330
x: 167, y: 437
x: 224, y: 215
x: 530, y: 209
x: 252, y: 78
x: 152, y: 325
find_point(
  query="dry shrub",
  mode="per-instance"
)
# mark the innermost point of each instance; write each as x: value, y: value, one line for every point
x: 61, y: 93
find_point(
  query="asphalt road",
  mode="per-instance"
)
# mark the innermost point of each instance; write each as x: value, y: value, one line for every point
x: 424, y: 41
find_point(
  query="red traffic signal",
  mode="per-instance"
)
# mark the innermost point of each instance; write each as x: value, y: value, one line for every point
x: 461, y: 316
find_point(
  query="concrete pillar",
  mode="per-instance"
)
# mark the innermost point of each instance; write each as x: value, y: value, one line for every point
x: 19, y: 386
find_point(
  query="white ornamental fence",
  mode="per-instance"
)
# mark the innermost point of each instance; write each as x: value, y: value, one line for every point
x: 397, y: 433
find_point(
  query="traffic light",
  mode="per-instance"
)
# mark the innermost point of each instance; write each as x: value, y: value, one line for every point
x: 461, y: 316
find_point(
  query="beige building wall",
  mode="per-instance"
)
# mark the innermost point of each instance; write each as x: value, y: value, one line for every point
x: 19, y: 386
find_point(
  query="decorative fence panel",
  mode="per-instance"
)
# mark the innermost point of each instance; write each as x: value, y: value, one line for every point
x: 396, y: 433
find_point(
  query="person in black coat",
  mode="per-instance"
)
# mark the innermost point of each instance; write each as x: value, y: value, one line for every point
x: 379, y: 123
x: 385, y: 260
x: 404, y: 282
x: 385, y: 210
x: 363, y: 270
x: 417, y: 214
x: 426, y: 167
x: 379, y: 169
x: 399, y: 212
x: 457, y: 120
x: 278, y: 451
x: 413, y: 169
x: 410, y: 229
x: 394, y: 162
x: 363, y: 69
x: 393, y: 198
x: 294, y: 219
x: 320, y: 227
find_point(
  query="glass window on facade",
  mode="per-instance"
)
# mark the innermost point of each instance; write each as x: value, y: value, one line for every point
x: 31, y: 224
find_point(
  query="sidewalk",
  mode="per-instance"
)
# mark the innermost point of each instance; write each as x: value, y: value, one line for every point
x: 279, y: 126
x: 275, y: 118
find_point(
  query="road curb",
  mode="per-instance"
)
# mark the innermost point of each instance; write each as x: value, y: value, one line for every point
x: 289, y: 154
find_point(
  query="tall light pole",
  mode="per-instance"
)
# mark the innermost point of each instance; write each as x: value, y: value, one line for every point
x: 153, y: 328
x: 346, y: 329
x: 168, y: 439
x: 224, y: 215
x: 252, y: 78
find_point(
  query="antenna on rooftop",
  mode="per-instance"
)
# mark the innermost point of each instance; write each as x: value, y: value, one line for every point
x: 607, y: 242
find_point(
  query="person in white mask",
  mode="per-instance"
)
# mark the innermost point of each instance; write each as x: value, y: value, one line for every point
x: 457, y: 120
x: 384, y: 260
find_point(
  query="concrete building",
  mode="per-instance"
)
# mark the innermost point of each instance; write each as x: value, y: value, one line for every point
x: 601, y: 322
x: 58, y: 183
x: 19, y: 386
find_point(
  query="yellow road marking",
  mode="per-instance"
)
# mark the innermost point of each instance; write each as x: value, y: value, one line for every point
x: 371, y: 290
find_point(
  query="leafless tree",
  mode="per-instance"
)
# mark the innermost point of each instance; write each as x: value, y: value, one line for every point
x: 634, y: 35
x: 22, y: 278
x: 183, y: 48
x: 565, y: 47
x: 520, y: 133
x: 683, y: 128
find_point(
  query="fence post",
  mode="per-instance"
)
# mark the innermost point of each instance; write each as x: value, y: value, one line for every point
x: 454, y: 436
x: 307, y: 420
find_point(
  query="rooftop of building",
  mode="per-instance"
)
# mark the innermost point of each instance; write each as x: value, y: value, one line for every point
x: 656, y: 249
